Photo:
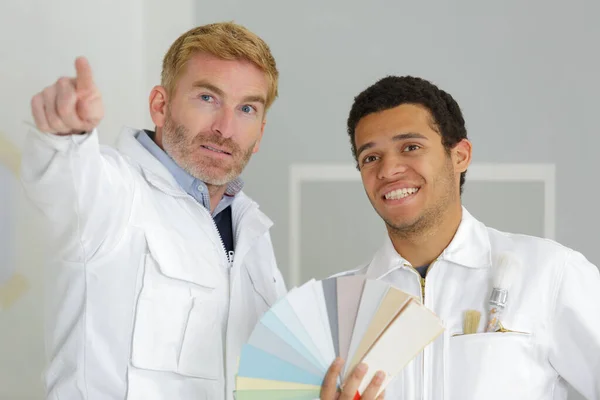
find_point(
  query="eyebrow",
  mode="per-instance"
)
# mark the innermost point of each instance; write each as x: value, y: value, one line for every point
x: 209, y: 86
x: 397, y: 138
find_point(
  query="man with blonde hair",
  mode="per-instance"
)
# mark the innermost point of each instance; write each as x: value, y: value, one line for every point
x: 164, y: 265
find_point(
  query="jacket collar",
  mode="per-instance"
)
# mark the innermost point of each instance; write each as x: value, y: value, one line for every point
x: 160, y: 172
x: 159, y: 176
x: 185, y: 180
x: 470, y: 248
x: 152, y: 169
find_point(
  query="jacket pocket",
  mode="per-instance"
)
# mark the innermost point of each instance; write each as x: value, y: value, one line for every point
x: 202, y: 348
x: 194, y: 262
x: 490, y: 366
x: 176, y: 324
x: 264, y: 277
x: 264, y: 287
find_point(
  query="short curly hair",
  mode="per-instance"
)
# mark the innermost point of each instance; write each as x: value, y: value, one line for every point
x: 393, y: 91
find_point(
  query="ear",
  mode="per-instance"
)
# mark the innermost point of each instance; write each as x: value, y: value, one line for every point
x: 461, y: 156
x: 262, y: 131
x: 158, y: 105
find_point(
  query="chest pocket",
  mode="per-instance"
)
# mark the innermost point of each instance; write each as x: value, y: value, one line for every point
x: 177, y: 320
x: 265, y: 281
x: 490, y: 366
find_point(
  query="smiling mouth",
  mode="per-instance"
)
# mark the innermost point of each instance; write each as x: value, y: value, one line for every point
x: 215, y: 150
x: 400, y: 193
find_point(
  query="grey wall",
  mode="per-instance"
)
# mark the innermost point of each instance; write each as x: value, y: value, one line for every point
x: 524, y: 73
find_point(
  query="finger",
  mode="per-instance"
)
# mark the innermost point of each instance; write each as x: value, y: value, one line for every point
x: 54, y: 121
x: 381, y: 396
x: 329, y: 387
x: 371, y: 391
x: 39, y: 115
x: 350, y: 387
x: 84, y: 82
x: 90, y: 111
x: 66, y: 102
x: 89, y: 105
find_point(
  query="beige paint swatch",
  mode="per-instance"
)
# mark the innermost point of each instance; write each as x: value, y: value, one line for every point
x: 391, y: 305
x: 407, y: 336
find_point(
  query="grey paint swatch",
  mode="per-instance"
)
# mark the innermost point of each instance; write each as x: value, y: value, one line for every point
x: 330, y: 292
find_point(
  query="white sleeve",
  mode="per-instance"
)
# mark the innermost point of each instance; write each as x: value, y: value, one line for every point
x: 86, y: 195
x: 575, y: 345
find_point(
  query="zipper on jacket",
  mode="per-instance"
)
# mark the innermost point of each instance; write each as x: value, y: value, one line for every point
x: 423, y: 281
x: 228, y: 255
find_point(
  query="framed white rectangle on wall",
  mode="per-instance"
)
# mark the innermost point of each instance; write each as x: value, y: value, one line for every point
x: 519, y: 198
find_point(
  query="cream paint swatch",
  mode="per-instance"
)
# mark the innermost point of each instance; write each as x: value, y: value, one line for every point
x: 413, y: 329
x: 391, y: 305
x: 265, y: 384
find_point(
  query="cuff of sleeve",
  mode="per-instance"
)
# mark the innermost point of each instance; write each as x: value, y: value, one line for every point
x: 63, y: 143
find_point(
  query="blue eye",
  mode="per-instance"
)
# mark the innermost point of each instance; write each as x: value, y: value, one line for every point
x: 247, y: 109
x: 206, y: 97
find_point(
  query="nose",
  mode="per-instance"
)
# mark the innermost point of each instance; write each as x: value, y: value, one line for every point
x: 391, y: 166
x: 223, y: 124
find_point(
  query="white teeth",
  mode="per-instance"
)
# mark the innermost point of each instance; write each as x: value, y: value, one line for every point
x: 400, y: 193
x: 213, y: 149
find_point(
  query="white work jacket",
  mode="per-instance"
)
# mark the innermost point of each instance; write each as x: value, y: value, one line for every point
x: 141, y: 287
x: 552, y: 319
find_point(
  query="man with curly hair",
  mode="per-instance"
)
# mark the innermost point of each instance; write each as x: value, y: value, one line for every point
x: 410, y: 144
